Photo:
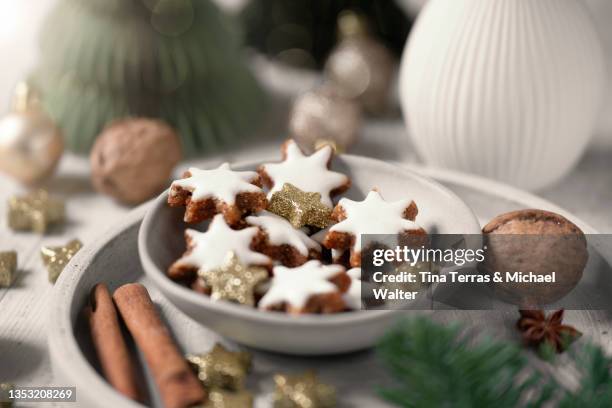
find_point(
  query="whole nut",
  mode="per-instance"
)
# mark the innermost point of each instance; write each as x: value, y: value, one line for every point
x: 132, y: 159
x: 535, y: 241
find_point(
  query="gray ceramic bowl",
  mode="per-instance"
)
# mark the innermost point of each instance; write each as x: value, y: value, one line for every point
x: 161, y: 242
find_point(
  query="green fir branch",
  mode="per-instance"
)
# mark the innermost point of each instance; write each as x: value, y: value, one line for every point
x: 442, y: 366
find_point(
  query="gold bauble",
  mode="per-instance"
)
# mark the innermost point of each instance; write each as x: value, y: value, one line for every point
x: 360, y: 66
x: 30, y: 142
x: 323, y: 115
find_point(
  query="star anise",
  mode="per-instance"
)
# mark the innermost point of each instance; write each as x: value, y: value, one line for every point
x: 539, y: 329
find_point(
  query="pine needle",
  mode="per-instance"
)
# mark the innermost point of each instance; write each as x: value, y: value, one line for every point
x: 439, y: 366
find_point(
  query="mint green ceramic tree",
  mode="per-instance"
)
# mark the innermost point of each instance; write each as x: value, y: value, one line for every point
x: 178, y: 60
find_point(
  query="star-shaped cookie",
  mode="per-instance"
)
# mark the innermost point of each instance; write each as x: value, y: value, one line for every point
x: 208, y: 250
x: 283, y: 242
x: 221, y: 190
x: 373, y: 215
x: 234, y: 281
x: 300, y: 208
x: 310, y: 174
x: 309, y: 288
x: 352, y: 297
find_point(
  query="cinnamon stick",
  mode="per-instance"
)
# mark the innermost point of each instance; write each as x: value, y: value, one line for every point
x: 117, y: 365
x: 176, y: 382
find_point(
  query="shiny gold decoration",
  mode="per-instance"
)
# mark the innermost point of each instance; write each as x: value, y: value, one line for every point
x: 34, y: 212
x: 299, y: 207
x: 8, y: 266
x: 360, y: 66
x: 4, y: 394
x: 303, y: 391
x: 324, y: 114
x: 234, y: 281
x: 229, y: 399
x: 30, y: 142
x: 221, y: 368
x: 56, y: 258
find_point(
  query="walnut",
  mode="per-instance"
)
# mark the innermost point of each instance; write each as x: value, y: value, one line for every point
x: 534, y: 241
x: 132, y: 159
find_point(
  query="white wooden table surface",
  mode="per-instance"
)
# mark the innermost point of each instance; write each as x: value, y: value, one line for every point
x: 587, y: 192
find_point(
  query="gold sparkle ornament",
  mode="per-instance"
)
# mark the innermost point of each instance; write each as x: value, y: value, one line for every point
x: 361, y: 67
x: 324, y: 114
x: 8, y: 266
x: 300, y: 208
x: 56, y: 258
x: 229, y: 399
x: 234, y: 281
x: 35, y: 212
x: 221, y: 368
x: 302, y: 391
x: 30, y: 142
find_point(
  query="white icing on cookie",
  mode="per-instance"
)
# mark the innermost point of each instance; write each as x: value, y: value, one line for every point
x: 308, y: 173
x: 352, y: 297
x: 210, y: 248
x: 354, y: 273
x: 296, y: 285
x: 373, y: 215
x: 280, y: 232
x: 222, y: 183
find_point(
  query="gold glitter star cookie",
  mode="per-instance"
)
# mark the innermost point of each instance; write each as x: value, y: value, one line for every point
x: 302, y: 391
x: 300, y: 208
x: 221, y: 368
x: 56, y: 258
x: 34, y: 212
x: 234, y: 281
x: 206, y: 193
x: 310, y: 174
x: 229, y: 399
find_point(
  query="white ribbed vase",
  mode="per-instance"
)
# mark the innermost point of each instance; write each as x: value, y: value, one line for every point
x: 508, y: 89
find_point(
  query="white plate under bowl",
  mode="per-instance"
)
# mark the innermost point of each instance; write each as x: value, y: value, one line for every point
x: 113, y: 259
x: 161, y: 242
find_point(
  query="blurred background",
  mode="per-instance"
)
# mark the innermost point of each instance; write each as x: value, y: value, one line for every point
x: 22, y: 20
x: 228, y: 74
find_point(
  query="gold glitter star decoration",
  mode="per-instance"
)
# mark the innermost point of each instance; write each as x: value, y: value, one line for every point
x: 8, y: 266
x: 234, y: 281
x: 303, y: 391
x: 300, y: 208
x: 34, y: 212
x: 225, y: 399
x: 221, y: 368
x: 4, y: 395
x: 56, y: 258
